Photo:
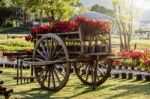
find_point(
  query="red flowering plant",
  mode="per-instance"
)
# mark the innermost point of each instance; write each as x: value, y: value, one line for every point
x: 28, y: 37
x: 92, y: 26
x: 140, y: 59
x: 146, y: 60
x: 65, y: 26
x: 39, y: 30
x: 132, y: 57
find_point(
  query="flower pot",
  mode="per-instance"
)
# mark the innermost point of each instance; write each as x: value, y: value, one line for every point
x: 123, y: 75
x: 109, y: 75
x: 60, y: 69
x: 120, y: 67
x: 147, y: 77
x: 126, y: 66
x: 86, y: 48
x: 78, y: 48
x: 138, y: 77
x: 116, y: 75
x: 1, y: 65
x: 130, y: 75
x: 71, y: 70
x: 103, y: 48
x: 113, y: 67
x: 132, y: 68
x: 90, y: 49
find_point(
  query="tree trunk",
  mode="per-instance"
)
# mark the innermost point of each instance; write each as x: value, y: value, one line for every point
x: 41, y: 17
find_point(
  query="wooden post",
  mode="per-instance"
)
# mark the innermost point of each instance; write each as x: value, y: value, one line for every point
x: 135, y: 46
x: 17, y: 69
x: 94, y: 74
x: 21, y: 66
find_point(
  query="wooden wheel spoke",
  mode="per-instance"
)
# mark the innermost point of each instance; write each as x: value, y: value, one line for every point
x: 41, y: 73
x: 38, y: 59
x: 53, y: 79
x: 58, y: 53
x: 49, y: 77
x: 93, y: 75
x: 41, y: 54
x: 104, y: 66
x: 54, y: 50
x: 87, y: 75
x: 47, y: 48
x: 58, y: 79
x: 101, y: 72
x: 97, y: 78
x: 45, y: 75
x: 59, y: 72
x: 44, y: 51
x: 60, y: 59
x: 50, y: 48
x: 80, y: 67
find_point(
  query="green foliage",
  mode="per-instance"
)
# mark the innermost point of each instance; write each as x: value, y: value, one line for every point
x: 13, y: 30
x: 4, y: 3
x: 7, y: 14
x: 58, y: 9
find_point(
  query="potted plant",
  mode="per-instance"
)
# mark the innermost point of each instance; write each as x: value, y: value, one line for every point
x: 130, y: 75
x: 123, y: 75
x: 139, y: 77
x: 116, y: 75
x: 147, y: 77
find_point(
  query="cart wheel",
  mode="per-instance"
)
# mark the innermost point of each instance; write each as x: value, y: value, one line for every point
x: 93, y: 73
x: 54, y: 76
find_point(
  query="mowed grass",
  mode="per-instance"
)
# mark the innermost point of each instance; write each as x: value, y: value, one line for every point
x: 111, y: 89
x: 140, y: 43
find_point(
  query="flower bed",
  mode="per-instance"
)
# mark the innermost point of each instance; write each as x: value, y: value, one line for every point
x: 135, y: 58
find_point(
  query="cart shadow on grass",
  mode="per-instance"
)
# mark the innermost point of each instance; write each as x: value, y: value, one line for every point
x: 38, y: 93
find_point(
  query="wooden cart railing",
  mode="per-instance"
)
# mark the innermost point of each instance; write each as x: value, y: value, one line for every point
x: 4, y: 91
x: 19, y: 56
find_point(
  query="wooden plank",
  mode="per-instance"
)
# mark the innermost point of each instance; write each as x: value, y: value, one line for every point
x: 100, y: 53
x: 65, y: 33
x: 73, y: 40
x: 40, y: 63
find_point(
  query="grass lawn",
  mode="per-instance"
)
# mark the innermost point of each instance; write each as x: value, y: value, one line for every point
x: 112, y: 89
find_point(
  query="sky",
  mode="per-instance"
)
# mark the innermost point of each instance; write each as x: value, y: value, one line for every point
x: 144, y: 4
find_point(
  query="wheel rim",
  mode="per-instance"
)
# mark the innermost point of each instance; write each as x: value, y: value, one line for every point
x: 85, y: 72
x: 54, y: 76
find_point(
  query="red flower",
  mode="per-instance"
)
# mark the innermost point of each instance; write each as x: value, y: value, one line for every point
x: 116, y: 62
x: 65, y: 26
x: 132, y: 54
x: 28, y: 38
x: 41, y: 30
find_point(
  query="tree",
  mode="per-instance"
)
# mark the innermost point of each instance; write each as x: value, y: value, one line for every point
x: 4, y: 3
x: 103, y: 10
x: 124, y: 18
x: 55, y: 9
